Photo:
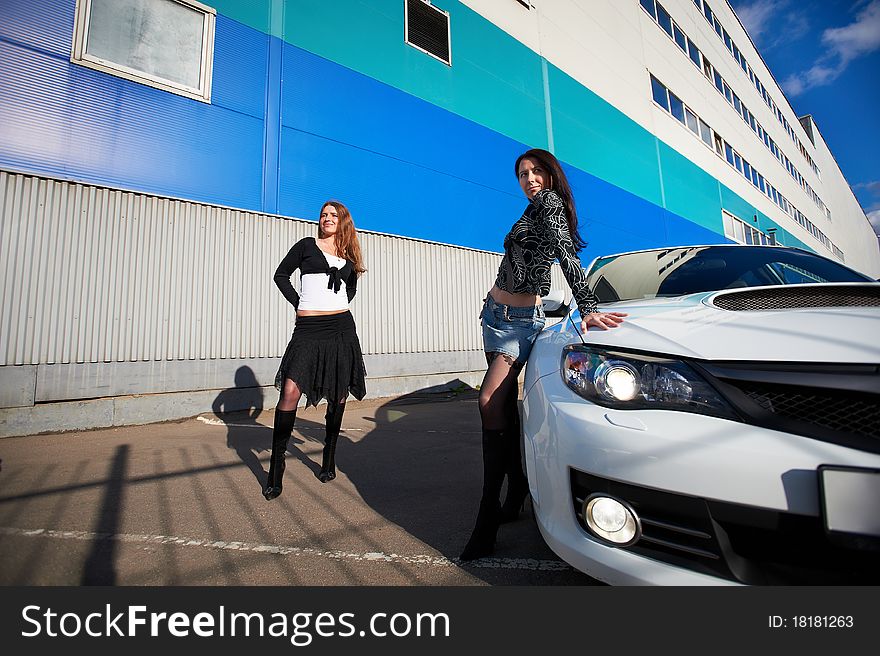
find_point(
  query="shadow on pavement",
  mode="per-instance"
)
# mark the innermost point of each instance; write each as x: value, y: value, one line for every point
x: 239, y: 407
x: 421, y: 468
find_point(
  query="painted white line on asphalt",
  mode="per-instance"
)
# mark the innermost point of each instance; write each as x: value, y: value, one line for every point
x: 217, y: 422
x: 372, y: 556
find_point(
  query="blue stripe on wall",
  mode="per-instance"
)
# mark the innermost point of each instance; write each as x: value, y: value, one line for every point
x: 272, y: 131
x: 73, y: 122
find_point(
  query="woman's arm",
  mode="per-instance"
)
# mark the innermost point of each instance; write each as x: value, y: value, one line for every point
x: 551, y: 212
x: 289, y: 264
x: 351, y: 284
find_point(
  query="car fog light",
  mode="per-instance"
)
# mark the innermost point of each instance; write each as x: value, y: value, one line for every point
x: 611, y: 520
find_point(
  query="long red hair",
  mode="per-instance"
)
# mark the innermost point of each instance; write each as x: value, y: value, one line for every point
x: 347, y: 244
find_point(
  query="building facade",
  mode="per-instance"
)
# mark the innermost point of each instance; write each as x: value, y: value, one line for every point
x: 159, y: 157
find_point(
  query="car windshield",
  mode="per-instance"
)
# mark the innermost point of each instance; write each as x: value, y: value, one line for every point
x: 679, y: 271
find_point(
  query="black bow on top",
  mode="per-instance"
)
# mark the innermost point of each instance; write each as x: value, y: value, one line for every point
x: 335, y: 281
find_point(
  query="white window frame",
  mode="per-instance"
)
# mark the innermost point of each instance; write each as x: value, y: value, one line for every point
x: 79, y: 56
x: 448, y: 31
x: 735, y: 228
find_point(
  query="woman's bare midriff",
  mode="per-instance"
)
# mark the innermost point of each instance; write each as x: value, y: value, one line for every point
x: 514, y: 300
x: 315, y: 313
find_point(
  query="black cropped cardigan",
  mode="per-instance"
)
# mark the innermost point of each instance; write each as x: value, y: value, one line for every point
x: 308, y: 258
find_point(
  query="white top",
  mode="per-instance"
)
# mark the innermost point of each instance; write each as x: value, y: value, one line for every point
x: 316, y: 290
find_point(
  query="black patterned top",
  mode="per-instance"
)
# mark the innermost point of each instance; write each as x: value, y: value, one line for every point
x: 540, y: 236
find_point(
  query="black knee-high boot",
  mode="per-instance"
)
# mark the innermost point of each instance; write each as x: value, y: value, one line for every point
x: 517, y: 483
x: 482, y: 541
x: 284, y: 420
x: 334, y: 425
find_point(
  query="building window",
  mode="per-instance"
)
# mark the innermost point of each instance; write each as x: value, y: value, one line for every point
x: 693, y: 53
x: 168, y: 44
x: 679, y: 37
x: 707, y: 68
x: 659, y: 93
x: 427, y: 29
x: 705, y: 133
x: 691, y: 121
x: 741, y: 232
x: 664, y: 19
x: 676, y: 107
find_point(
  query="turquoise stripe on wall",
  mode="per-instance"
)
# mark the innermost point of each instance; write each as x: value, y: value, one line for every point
x: 497, y: 82
x: 690, y: 191
x: 594, y: 136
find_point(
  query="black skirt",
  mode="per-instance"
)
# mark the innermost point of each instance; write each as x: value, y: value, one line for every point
x: 324, y: 359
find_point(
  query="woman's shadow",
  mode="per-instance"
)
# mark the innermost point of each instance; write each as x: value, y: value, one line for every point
x: 239, y: 407
x: 420, y: 467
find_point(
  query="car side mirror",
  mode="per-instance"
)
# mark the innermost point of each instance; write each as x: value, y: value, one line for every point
x: 554, y: 303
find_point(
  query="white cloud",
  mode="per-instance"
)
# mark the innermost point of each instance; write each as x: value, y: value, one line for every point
x: 770, y: 25
x: 844, y: 44
x: 874, y: 218
x: 756, y: 16
x: 873, y: 186
x: 858, y: 38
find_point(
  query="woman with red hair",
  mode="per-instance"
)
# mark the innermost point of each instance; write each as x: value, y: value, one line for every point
x: 323, y: 359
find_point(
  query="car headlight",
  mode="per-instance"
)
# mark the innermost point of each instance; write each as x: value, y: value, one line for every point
x: 627, y: 381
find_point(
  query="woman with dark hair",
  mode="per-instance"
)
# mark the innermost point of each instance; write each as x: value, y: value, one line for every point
x: 323, y: 359
x: 512, y: 317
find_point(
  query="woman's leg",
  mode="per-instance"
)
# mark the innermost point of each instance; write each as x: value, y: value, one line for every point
x: 498, y: 384
x: 290, y: 394
x: 517, y: 482
x: 498, y: 388
x: 285, y: 416
x: 335, y: 410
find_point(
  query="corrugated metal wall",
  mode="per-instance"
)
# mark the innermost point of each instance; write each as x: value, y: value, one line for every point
x: 91, y: 274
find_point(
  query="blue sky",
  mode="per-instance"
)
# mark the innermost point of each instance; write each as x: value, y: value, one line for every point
x: 826, y: 56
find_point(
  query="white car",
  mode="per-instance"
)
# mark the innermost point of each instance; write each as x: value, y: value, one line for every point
x: 728, y: 432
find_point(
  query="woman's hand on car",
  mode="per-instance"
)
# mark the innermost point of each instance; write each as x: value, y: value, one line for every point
x: 603, y: 320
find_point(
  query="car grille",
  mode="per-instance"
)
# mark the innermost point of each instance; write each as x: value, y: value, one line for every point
x: 738, y: 543
x: 834, y: 412
x: 837, y: 403
x: 795, y: 296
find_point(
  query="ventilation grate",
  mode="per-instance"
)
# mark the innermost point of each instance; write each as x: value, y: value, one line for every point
x: 790, y: 297
x: 848, y: 412
x: 427, y: 28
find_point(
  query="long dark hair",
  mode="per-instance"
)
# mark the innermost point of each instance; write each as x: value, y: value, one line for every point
x: 559, y: 184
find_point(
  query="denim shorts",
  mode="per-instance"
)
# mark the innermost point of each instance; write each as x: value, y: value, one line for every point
x: 510, y: 330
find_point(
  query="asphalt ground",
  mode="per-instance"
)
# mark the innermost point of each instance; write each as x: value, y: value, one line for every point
x: 180, y: 503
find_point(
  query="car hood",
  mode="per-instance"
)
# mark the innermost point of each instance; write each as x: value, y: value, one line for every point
x: 693, y: 326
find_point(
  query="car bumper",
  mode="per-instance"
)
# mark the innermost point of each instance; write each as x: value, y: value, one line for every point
x: 667, y: 458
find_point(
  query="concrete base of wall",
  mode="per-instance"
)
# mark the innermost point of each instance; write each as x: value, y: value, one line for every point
x: 134, y: 409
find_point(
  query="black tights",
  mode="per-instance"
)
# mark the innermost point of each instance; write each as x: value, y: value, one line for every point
x: 291, y: 394
x: 498, y: 394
